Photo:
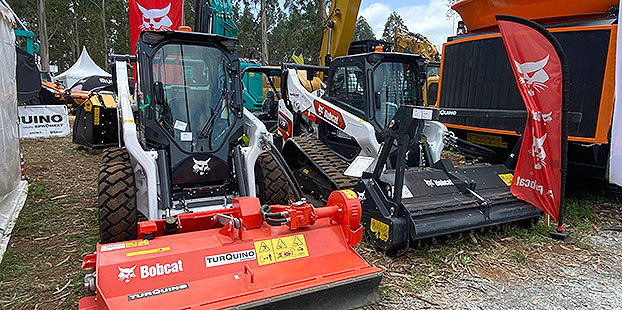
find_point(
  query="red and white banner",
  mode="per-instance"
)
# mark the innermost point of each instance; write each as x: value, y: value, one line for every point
x: 158, y: 15
x: 538, y: 71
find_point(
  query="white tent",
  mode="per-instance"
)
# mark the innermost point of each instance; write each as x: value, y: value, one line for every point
x: 12, y: 189
x: 85, y: 66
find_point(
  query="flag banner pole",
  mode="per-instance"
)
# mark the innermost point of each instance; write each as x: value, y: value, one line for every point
x: 543, y: 81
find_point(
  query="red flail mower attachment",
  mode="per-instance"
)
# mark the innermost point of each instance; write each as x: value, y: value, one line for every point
x: 247, y: 256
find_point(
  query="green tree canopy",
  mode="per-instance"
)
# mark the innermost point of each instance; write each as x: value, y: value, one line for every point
x: 394, y: 21
x: 363, y: 31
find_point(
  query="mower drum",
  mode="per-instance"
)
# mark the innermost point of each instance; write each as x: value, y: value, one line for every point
x: 248, y: 256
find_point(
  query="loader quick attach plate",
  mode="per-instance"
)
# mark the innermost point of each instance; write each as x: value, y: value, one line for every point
x: 271, y: 267
x: 438, y: 202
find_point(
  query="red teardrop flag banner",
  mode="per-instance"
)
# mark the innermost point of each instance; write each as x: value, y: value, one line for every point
x: 538, y: 64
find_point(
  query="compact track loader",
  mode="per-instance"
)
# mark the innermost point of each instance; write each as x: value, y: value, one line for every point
x: 370, y: 122
x: 227, y: 226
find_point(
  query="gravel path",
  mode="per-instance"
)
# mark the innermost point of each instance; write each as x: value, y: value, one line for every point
x: 562, y: 277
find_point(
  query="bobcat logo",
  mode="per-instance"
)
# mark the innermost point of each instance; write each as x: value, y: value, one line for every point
x: 155, y: 19
x: 201, y: 167
x: 126, y: 274
x: 539, y: 116
x: 537, y: 151
x: 537, y: 79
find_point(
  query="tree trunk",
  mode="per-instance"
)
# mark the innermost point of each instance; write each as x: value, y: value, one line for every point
x: 264, y: 34
x: 43, y: 37
x: 104, y: 32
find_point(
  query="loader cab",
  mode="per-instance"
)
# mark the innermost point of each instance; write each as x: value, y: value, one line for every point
x: 189, y: 109
x: 371, y: 86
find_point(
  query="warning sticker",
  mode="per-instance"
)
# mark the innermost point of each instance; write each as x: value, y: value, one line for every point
x: 350, y: 194
x: 381, y: 229
x: 506, y: 178
x: 489, y: 140
x: 148, y: 251
x: 96, y: 116
x: 281, y: 249
x: 132, y: 244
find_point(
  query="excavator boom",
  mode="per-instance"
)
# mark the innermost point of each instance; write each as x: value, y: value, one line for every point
x: 339, y: 29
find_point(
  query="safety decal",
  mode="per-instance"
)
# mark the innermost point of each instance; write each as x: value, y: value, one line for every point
x: 96, y: 116
x: 157, y: 291
x: 148, y: 251
x: 350, y: 194
x: 381, y: 229
x: 506, y: 178
x: 489, y: 140
x: 229, y: 258
x: 180, y: 125
x: 88, y: 105
x: 125, y: 245
x: 281, y: 249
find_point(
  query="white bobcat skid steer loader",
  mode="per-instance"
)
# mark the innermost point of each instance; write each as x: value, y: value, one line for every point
x: 367, y: 123
x: 183, y: 150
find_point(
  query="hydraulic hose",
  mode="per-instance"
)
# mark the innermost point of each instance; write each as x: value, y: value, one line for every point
x: 280, y: 161
x: 272, y: 218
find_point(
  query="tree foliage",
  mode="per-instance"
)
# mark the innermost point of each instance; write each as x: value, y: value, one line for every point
x: 363, y: 31
x: 394, y: 21
x: 291, y: 24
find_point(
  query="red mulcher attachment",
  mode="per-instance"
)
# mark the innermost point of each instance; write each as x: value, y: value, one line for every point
x: 248, y: 256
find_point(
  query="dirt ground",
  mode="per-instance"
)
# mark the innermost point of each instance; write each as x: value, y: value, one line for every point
x: 507, y: 268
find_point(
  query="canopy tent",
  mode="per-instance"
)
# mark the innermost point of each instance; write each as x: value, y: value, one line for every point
x: 12, y: 189
x: 85, y: 66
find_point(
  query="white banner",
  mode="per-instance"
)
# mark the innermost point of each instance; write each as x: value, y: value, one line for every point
x: 615, y: 153
x: 43, y: 121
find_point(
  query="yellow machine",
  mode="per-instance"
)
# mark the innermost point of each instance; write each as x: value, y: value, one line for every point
x: 416, y: 43
x: 339, y: 29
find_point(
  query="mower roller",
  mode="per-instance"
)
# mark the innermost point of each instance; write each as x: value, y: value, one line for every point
x: 246, y: 257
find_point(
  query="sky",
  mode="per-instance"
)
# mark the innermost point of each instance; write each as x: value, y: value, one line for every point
x: 424, y: 16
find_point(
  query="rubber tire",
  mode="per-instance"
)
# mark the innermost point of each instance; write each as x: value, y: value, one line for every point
x: 115, y: 154
x: 272, y: 185
x: 116, y: 200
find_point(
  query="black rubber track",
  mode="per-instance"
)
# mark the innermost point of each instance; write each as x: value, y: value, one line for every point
x: 273, y: 188
x: 115, y: 154
x: 116, y: 200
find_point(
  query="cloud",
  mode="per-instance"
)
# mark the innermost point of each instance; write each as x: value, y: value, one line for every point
x: 376, y: 15
x: 427, y: 19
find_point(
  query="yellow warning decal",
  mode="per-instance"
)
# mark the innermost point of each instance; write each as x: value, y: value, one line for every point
x: 88, y: 105
x: 110, y: 247
x: 148, y: 251
x: 506, y: 178
x: 281, y: 249
x: 136, y: 243
x: 350, y: 194
x: 95, y: 115
x: 484, y: 139
x: 381, y: 229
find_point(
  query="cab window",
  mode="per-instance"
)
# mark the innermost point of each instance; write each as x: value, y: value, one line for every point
x: 346, y: 90
x: 394, y: 84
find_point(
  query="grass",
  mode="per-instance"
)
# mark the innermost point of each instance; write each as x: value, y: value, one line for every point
x: 56, y: 228
x: 418, y: 284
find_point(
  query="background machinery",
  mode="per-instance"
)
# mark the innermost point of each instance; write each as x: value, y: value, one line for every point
x: 371, y: 118
x: 475, y: 59
x: 416, y: 43
x: 207, y: 242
